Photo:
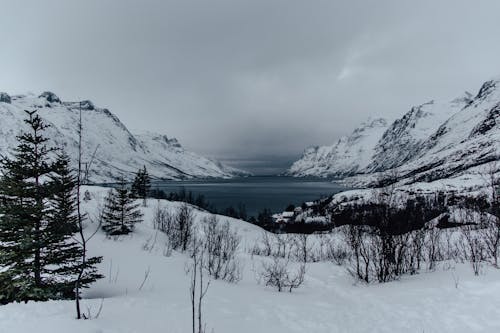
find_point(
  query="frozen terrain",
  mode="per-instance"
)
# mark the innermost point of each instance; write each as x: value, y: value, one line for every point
x: 109, y: 148
x: 349, y: 155
x: 435, y: 140
x: 450, y: 299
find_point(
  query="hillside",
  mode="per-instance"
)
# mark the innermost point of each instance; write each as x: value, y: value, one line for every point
x: 348, y: 156
x: 329, y: 301
x: 432, y: 141
x: 117, y: 150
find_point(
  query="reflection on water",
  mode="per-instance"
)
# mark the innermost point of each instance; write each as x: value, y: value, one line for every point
x: 256, y: 193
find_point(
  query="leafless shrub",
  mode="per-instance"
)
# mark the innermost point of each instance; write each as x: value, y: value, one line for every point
x: 221, y: 245
x: 303, y: 250
x: 433, y: 247
x: 490, y: 234
x: 277, y: 274
x: 358, y: 243
x: 163, y: 219
x: 472, y: 247
x: 264, y: 246
x: 333, y: 248
x: 283, y: 245
x: 178, y: 226
x: 387, y: 253
x: 278, y: 245
x: 415, y: 251
x: 376, y: 255
x: 449, y: 248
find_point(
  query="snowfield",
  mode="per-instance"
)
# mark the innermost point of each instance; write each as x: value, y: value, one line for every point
x: 450, y: 299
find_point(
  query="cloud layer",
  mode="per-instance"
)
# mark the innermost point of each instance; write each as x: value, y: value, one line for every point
x: 250, y: 82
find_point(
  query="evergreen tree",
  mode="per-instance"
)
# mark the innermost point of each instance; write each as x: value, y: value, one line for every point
x: 141, y: 184
x: 24, y: 211
x: 38, y: 257
x: 121, y: 213
x: 64, y: 251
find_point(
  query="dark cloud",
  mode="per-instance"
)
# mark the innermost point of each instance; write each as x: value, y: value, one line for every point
x: 252, y: 80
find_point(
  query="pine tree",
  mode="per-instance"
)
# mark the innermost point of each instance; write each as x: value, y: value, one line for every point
x: 37, y: 205
x: 24, y: 194
x: 141, y: 185
x: 121, y: 213
x: 66, y: 253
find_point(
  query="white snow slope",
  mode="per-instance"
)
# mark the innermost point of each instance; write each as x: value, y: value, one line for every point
x: 432, y: 141
x: 349, y: 155
x: 117, y: 151
x: 450, y: 299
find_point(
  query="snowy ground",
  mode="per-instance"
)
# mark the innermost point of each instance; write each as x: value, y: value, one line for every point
x: 329, y: 300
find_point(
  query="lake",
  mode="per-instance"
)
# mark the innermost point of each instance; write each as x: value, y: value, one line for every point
x: 256, y: 193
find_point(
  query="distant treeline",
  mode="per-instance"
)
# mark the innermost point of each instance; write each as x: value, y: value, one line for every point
x: 408, y: 216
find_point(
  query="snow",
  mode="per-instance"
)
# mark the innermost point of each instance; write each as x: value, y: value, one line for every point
x: 347, y: 156
x: 117, y: 150
x: 435, y: 140
x: 329, y: 300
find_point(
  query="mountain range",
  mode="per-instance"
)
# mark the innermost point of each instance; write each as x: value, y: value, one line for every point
x: 110, y: 150
x: 432, y: 141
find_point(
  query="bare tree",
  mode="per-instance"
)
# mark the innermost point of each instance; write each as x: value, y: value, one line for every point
x: 472, y: 247
x: 221, y: 245
x: 198, y: 287
x: 433, y: 247
x: 80, y: 218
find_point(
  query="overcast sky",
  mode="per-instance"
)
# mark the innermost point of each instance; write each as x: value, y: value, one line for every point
x: 250, y: 82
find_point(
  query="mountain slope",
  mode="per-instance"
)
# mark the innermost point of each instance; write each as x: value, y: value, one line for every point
x: 403, y: 139
x: 109, y: 148
x: 469, y: 138
x: 348, y: 156
x: 432, y: 141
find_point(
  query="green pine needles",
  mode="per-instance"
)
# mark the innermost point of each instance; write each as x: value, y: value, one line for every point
x: 121, y: 212
x: 141, y: 185
x: 39, y: 259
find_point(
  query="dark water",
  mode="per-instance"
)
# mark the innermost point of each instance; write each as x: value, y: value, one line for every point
x: 256, y: 193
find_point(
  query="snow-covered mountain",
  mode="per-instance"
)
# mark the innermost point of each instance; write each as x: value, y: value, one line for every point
x: 348, y: 156
x: 109, y: 148
x: 432, y: 141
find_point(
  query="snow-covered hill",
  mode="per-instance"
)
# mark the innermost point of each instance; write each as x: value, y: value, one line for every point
x: 116, y: 150
x: 349, y: 155
x: 432, y: 141
x: 328, y: 301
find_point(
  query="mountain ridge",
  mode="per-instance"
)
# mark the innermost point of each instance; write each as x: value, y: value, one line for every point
x: 109, y: 148
x: 431, y: 141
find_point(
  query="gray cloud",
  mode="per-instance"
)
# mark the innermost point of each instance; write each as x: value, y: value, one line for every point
x: 249, y: 81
